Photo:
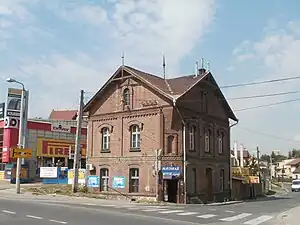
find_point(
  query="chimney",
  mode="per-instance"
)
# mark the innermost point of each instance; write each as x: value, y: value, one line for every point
x: 241, y: 156
x: 235, y: 148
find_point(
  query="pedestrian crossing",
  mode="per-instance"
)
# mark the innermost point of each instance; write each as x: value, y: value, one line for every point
x: 221, y: 216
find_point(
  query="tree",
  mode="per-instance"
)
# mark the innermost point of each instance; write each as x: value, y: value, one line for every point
x: 266, y: 158
x: 290, y: 155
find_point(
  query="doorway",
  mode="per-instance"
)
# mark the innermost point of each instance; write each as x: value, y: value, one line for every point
x: 172, y: 190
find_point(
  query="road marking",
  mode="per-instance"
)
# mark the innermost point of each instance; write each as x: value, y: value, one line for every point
x: 133, y: 208
x: 108, y: 205
x: 258, y: 220
x: 9, y: 212
x: 34, y: 217
x: 237, y: 217
x: 212, y: 209
x: 152, y: 210
x: 206, y: 216
x: 57, y: 221
x: 229, y: 211
x: 171, y: 211
x: 90, y: 204
x: 187, y: 213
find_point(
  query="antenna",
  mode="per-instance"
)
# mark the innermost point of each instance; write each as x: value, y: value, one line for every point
x: 208, y: 66
x: 123, y: 63
x: 164, y: 66
x: 196, y: 68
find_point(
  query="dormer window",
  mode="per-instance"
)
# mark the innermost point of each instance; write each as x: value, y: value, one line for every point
x: 126, y: 96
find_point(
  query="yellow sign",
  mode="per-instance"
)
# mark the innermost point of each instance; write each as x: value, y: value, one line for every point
x: 81, y: 174
x: 21, y: 153
x: 238, y: 171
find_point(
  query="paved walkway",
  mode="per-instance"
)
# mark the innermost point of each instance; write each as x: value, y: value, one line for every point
x: 290, y: 217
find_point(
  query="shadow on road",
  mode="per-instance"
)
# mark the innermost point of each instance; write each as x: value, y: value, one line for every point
x: 273, y: 198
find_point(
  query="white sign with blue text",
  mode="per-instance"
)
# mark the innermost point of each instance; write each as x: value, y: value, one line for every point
x: 93, y: 181
x: 118, y: 182
x: 170, y: 171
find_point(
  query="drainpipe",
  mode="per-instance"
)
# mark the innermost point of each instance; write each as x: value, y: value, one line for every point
x: 230, y: 166
x: 184, y: 149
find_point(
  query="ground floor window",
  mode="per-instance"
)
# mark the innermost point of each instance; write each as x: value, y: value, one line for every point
x: 134, y: 180
x: 104, y: 177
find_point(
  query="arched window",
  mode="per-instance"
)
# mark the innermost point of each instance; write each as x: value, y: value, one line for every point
x: 192, y: 139
x: 207, y: 140
x: 170, y: 144
x: 134, y: 179
x: 126, y: 96
x: 135, y: 137
x: 105, y: 139
x: 221, y: 142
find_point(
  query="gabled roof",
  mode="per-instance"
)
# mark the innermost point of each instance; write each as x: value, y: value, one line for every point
x: 63, y: 115
x: 173, y: 88
x: 294, y: 162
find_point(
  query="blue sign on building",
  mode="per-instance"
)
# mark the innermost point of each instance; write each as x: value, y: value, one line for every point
x: 93, y: 181
x: 170, y: 171
x: 118, y: 182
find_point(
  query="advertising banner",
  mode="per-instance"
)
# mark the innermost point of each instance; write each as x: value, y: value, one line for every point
x: 13, y: 102
x: 169, y: 172
x: 48, y: 172
x: 118, y: 182
x: 93, y: 181
x: 81, y: 176
x: 2, y: 110
x: 57, y: 148
x: 57, y: 127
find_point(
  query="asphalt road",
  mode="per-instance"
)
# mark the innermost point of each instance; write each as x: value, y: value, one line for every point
x: 42, y: 211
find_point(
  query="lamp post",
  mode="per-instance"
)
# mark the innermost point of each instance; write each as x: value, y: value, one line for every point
x: 21, y: 133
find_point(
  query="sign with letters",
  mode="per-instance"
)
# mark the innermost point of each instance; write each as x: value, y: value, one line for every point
x: 57, y: 127
x: 118, y: 182
x: 93, y: 181
x: 21, y: 153
x: 169, y: 172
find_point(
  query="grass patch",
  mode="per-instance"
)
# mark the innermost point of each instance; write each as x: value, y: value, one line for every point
x: 270, y: 192
x: 53, y: 189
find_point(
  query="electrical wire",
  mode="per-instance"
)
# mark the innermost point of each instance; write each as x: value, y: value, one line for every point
x: 267, y: 105
x: 265, y: 134
x: 264, y: 95
x: 260, y: 82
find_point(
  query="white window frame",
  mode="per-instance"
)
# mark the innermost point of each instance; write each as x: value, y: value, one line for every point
x: 192, y: 137
x: 221, y: 143
x: 135, y: 137
x: 207, y: 137
x: 104, y: 178
x: 134, y: 177
x: 105, y: 138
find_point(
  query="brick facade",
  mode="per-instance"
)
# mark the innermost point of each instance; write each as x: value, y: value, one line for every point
x: 161, y: 127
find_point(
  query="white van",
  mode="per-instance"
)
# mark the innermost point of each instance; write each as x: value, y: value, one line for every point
x: 295, y: 185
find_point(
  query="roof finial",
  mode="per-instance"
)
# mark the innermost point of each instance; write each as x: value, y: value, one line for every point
x: 123, y: 64
x: 208, y: 66
x: 202, y: 63
x: 164, y: 66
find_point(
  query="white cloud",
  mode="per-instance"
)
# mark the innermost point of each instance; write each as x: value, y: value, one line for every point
x: 275, y: 56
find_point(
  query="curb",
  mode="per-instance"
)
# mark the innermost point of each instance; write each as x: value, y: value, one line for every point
x: 224, y: 203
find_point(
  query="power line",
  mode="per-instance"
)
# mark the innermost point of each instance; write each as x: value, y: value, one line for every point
x: 267, y: 135
x: 260, y: 82
x: 264, y: 95
x: 267, y: 105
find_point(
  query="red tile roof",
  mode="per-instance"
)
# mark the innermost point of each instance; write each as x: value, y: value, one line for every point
x: 171, y: 88
x: 294, y: 162
x: 63, y: 115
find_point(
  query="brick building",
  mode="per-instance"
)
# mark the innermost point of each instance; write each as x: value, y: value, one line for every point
x: 135, y: 113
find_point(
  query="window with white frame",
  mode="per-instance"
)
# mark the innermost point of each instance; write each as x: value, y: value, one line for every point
x: 207, y: 140
x: 221, y: 142
x: 222, y: 174
x: 134, y: 180
x: 126, y: 96
x: 104, y: 177
x: 135, y: 137
x: 192, y: 137
x: 105, y: 139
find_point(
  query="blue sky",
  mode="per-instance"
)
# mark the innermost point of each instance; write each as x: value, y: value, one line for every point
x: 59, y: 47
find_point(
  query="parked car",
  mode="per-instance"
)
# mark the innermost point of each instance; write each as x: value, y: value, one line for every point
x: 295, y: 185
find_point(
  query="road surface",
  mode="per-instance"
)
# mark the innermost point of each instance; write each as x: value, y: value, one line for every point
x: 36, y: 211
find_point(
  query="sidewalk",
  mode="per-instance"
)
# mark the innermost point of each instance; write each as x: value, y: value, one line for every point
x: 290, y: 217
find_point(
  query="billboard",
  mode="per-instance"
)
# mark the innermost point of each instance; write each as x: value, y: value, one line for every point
x: 13, y: 102
x: 2, y: 110
x: 57, y: 148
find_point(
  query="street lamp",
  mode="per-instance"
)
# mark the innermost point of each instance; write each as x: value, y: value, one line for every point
x: 21, y: 133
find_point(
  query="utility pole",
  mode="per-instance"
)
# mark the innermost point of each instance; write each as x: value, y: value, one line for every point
x: 77, y: 143
x: 271, y: 171
x: 157, y: 169
x: 258, y: 164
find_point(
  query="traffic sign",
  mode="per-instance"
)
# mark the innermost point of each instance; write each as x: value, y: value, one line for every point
x: 21, y: 153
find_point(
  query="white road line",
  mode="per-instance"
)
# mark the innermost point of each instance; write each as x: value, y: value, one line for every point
x: 152, y: 210
x: 57, y: 221
x: 133, y: 208
x: 34, y: 217
x: 9, y: 212
x: 171, y: 211
x: 187, y: 213
x: 108, y: 205
x: 90, y: 204
x: 258, y: 220
x: 229, y: 211
x: 237, y: 217
x: 206, y: 216
x: 212, y: 209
